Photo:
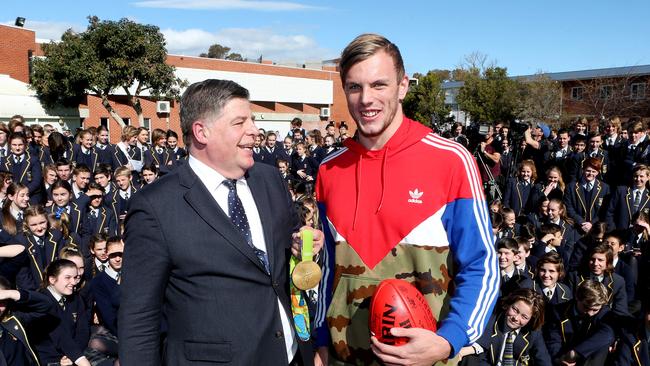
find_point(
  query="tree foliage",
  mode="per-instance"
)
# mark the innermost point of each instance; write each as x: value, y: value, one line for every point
x: 222, y: 52
x: 107, y: 57
x: 541, y: 99
x: 490, y: 96
x: 425, y: 102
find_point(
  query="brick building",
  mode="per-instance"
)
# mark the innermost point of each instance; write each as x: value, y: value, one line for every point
x: 278, y: 93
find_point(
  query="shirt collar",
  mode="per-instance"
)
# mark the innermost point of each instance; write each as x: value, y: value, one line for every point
x: 210, y: 177
x: 57, y: 296
x: 99, y: 263
x: 111, y: 272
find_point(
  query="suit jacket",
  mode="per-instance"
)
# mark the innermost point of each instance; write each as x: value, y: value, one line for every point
x: 91, y: 160
x: 615, y: 285
x: 203, y: 276
x: 621, y: 207
x: 528, y: 345
x: 31, y: 276
x: 521, y: 199
x: 561, y: 294
x: 106, y: 293
x: 566, y: 330
x: 164, y: 161
x: 582, y: 210
x: 76, y: 216
x: 105, y: 222
x: 27, y: 172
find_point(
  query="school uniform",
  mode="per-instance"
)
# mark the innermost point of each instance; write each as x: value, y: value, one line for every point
x: 105, y: 152
x: 67, y: 337
x: 26, y: 169
x: 633, y: 154
x: 119, y: 201
x: 106, y: 293
x: 306, y: 163
x: 10, y: 267
x: 5, y: 237
x: 558, y: 295
x: 272, y: 154
x: 75, y: 214
x: 179, y: 153
x: 522, y: 197
x: 574, y: 166
x: 88, y: 157
x: 317, y: 152
x: 540, y: 249
x: 98, y: 220
x: 68, y: 154
x: 625, y: 271
x: 566, y: 329
x: 162, y: 158
x: 513, y: 281
x: 258, y: 155
x: 32, y: 310
x: 559, y: 158
x: 528, y: 345
x: 624, y: 205
x: 585, y: 205
x: 569, y: 238
x: 614, y: 284
x: 39, y: 256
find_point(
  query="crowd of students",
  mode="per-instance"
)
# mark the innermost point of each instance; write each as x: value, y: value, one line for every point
x: 572, y: 230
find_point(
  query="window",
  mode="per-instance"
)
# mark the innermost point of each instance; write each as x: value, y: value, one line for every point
x: 605, y: 92
x: 104, y: 122
x: 146, y: 123
x: 576, y: 93
x: 126, y: 120
x: 637, y: 91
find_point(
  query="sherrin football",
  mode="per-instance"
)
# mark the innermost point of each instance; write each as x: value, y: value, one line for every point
x: 398, y: 304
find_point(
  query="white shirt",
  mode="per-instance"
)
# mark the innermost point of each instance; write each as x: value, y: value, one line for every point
x: 76, y: 191
x: 57, y: 297
x: 213, y: 181
x: 111, y: 272
x: 549, y: 291
x: 123, y: 194
x: 99, y: 264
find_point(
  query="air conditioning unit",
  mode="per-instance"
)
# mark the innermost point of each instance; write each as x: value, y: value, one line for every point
x: 325, y: 112
x: 162, y: 106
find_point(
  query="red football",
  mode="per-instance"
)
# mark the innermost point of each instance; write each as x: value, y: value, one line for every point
x: 398, y: 304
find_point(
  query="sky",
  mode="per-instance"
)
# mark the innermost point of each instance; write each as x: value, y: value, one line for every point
x: 524, y: 36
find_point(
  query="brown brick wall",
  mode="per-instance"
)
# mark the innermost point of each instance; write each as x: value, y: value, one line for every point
x: 15, y: 44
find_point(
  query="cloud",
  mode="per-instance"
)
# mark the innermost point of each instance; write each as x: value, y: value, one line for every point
x: 46, y: 30
x: 249, y: 42
x: 225, y: 5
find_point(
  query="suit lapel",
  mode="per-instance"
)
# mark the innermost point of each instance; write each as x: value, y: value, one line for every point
x: 201, y: 201
x: 261, y: 196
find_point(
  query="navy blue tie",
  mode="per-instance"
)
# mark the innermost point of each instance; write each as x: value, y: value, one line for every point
x: 239, y: 219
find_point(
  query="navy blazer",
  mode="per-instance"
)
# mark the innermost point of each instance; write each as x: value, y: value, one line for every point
x: 203, y: 277
x: 76, y: 217
x: 28, y: 172
x: 31, y: 311
x: 528, y: 344
x: 561, y: 294
x: 106, y: 293
x: 582, y: 211
x: 271, y: 156
x: 105, y: 222
x: 31, y: 277
x: 615, y: 285
x: 522, y: 200
x: 91, y: 160
x: 68, y: 336
x: 621, y: 207
x: 565, y: 330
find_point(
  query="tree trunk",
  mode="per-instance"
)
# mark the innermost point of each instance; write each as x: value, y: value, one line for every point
x: 135, y: 102
x: 111, y: 111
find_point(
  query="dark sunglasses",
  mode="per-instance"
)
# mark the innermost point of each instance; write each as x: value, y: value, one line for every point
x: 95, y: 196
x: 115, y: 255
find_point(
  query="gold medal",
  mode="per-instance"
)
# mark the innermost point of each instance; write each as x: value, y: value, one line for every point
x: 307, y: 273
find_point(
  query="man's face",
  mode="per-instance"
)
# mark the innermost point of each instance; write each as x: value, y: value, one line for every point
x: 63, y: 172
x: 615, y: 244
x: 548, y: 274
x: 81, y: 180
x: 102, y: 179
x: 590, y: 174
x: 258, y: 141
x: 506, y: 258
x: 373, y: 93
x: 509, y: 220
x: 87, y: 141
x: 228, y: 139
x: 95, y: 196
x: 595, y: 142
x: 598, y: 263
x: 123, y: 182
x: 115, y: 251
x: 17, y: 146
x: 563, y: 140
x: 103, y: 137
x: 580, y: 146
x: 636, y: 136
x: 640, y: 178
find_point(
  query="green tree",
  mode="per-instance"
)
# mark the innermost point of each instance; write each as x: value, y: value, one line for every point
x: 425, y: 102
x: 107, y: 57
x: 491, y: 96
x: 216, y: 51
x: 234, y: 57
x: 541, y: 99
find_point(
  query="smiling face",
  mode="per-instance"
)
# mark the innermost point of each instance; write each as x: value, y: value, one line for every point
x: 65, y: 281
x: 20, y: 200
x: 548, y: 274
x: 506, y: 258
x: 518, y: 315
x: 374, y: 95
x: 37, y: 224
x: 598, y: 263
x: 525, y: 173
x: 225, y: 142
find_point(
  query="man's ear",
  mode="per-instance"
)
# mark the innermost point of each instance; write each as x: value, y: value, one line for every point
x: 200, y: 132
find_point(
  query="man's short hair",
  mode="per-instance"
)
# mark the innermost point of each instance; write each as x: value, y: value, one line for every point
x: 122, y: 172
x: 365, y: 46
x: 509, y: 244
x: 206, y: 99
x: 591, y: 293
x: 80, y: 168
x: 104, y: 169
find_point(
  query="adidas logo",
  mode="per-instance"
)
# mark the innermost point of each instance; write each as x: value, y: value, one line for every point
x: 415, y: 196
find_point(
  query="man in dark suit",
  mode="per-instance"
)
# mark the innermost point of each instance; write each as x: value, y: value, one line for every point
x: 219, y: 275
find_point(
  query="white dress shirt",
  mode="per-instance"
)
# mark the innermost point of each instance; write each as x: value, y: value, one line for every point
x: 213, y: 181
